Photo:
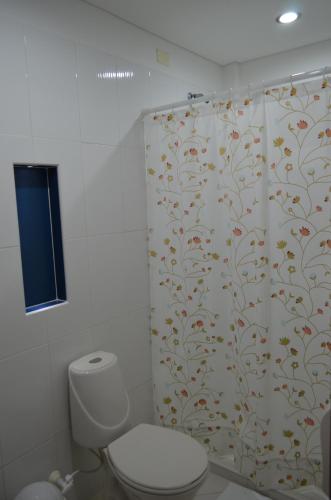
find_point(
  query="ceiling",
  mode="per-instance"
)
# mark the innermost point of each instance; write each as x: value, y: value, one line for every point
x: 227, y: 31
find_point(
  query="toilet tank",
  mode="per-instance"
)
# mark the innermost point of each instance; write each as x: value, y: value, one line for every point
x: 99, y: 403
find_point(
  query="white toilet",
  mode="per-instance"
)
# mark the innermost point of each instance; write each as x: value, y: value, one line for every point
x: 149, y: 461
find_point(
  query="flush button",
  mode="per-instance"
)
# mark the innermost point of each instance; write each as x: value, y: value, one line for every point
x: 95, y: 360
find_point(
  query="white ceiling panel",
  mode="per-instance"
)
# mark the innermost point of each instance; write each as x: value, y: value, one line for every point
x: 227, y: 31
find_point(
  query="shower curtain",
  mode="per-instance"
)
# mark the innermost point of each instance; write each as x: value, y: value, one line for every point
x: 239, y: 195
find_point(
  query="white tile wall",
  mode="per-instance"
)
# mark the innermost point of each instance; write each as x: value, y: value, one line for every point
x: 76, y: 314
x: 107, y: 265
x: 142, y: 404
x: 98, y: 89
x: 33, y: 466
x: 60, y: 104
x: 103, y: 187
x: 14, y: 148
x: 25, y: 395
x: 133, y: 91
x: 127, y: 336
x: 133, y: 183
x: 14, y: 103
x: 2, y: 487
x: 53, y: 87
x: 18, y: 331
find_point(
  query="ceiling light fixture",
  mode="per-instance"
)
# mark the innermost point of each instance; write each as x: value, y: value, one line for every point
x: 288, y: 17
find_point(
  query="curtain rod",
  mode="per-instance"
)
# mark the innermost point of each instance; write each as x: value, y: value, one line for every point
x: 291, y: 78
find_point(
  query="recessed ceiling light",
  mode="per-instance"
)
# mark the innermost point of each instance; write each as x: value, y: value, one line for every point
x: 288, y: 17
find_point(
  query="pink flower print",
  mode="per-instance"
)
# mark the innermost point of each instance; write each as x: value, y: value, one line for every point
x: 302, y: 124
x: 316, y: 97
x: 328, y: 132
x: 199, y: 323
x: 237, y: 231
x: 196, y: 240
x: 202, y: 402
x: 309, y: 421
x: 235, y: 135
x: 304, y: 231
x: 306, y: 330
x: 193, y: 151
x: 184, y: 393
x: 241, y: 323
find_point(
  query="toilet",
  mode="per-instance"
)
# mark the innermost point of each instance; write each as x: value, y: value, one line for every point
x: 148, y: 461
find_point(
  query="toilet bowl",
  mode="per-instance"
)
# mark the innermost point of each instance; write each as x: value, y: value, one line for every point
x: 148, y: 461
x: 152, y: 462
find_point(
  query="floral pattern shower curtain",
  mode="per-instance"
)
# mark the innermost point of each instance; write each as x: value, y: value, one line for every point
x: 239, y: 197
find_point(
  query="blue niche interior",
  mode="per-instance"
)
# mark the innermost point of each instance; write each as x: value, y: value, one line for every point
x: 39, y: 220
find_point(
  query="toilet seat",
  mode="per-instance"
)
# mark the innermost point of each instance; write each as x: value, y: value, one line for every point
x: 154, y: 459
x: 155, y: 491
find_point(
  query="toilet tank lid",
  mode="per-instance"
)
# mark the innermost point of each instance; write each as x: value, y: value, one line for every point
x: 93, y: 362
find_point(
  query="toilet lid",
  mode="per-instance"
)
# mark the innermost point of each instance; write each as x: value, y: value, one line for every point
x: 158, y: 458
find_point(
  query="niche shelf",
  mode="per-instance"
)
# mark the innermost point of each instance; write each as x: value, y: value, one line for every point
x: 39, y: 221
